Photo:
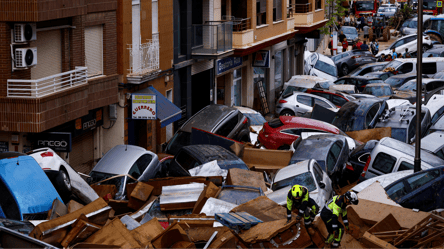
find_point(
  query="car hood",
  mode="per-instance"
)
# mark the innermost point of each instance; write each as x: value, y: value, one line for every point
x: 351, y: 36
x: 384, y: 180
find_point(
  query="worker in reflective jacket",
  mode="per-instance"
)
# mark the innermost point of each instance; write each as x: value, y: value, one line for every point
x: 330, y: 215
x: 298, y: 198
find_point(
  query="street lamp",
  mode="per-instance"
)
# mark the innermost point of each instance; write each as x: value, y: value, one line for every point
x: 417, y: 166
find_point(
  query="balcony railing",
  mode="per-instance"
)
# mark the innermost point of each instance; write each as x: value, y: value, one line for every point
x: 212, y: 38
x: 290, y: 11
x: 302, y: 8
x: 239, y: 24
x: 48, y: 85
x: 145, y: 58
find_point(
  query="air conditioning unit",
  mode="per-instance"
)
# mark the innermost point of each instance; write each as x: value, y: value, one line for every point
x: 25, y: 32
x: 25, y: 57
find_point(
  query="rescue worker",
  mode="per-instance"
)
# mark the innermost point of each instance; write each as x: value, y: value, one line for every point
x: 298, y: 198
x: 330, y: 215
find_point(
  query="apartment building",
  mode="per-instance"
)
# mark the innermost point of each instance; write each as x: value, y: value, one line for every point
x: 226, y: 50
x: 145, y: 57
x: 58, y: 77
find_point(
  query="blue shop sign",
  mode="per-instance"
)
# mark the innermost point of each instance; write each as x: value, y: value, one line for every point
x: 228, y: 63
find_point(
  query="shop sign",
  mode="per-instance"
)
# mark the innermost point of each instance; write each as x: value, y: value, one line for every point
x: 88, y: 122
x: 262, y: 59
x: 144, y: 106
x: 4, y: 146
x: 58, y: 141
x: 228, y: 63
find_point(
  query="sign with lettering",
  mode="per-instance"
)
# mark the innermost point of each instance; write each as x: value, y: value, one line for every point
x: 88, y: 122
x: 144, y: 106
x: 262, y: 59
x: 58, y: 141
x: 227, y: 63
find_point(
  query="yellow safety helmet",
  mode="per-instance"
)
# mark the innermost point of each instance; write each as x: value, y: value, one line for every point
x: 296, y: 191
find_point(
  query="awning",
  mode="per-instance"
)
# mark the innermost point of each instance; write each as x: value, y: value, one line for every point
x: 167, y: 112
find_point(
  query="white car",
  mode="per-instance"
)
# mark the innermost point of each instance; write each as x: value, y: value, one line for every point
x: 256, y: 121
x: 408, y: 41
x: 62, y: 176
x: 384, y: 180
x: 297, y: 104
x: 307, y: 173
x: 319, y: 65
x: 436, y: 107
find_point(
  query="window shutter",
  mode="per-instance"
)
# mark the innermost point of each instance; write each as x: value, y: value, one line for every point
x: 155, y: 17
x: 94, y: 50
x: 278, y: 9
x: 263, y: 6
x: 49, y: 54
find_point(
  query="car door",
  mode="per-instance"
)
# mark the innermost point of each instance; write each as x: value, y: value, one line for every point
x: 405, y: 68
x: 333, y: 158
x: 370, y: 117
x: 423, y: 191
x: 403, y: 164
x: 320, y: 176
x: 323, y: 103
x: 304, y: 103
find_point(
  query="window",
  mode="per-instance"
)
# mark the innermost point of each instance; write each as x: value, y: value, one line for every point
x: 384, y: 76
x: 49, y: 54
x: 398, y: 43
x: 333, y: 156
x: 317, y: 172
x: 340, y: 82
x: 323, y: 95
x: 94, y: 50
x: 155, y: 19
x: 384, y: 163
x: 405, y: 166
x: 237, y: 83
x: 437, y: 114
x: 435, y: 85
x: 227, y: 127
x: 295, y: 132
x: 277, y: 10
x: 365, y: 71
x: 410, y: 39
x: 186, y: 161
x: 322, y: 103
x: 261, y: 12
x: 420, y: 180
x: 278, y: 69
x: 406, y: 68
x: 305, y: 100
x: 140, y: 166
x: 339, y: 101
x: 318, y: 4
x: 371, y: 114
x: 429, y: 68
x: 397, y: 191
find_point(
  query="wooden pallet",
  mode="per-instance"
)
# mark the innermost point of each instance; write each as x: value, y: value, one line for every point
x: 237, y: 221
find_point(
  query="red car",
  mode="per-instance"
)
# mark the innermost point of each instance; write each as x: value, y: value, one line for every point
x: 279, y: 133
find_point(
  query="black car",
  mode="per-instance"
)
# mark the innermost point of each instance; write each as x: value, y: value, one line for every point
x: 368, y: 68
x: 398, y: 80
x: 191, y: 156
x: 382, y: 75
x: 348, y: 61
x: 358, y: 81
x: 423, y: 190
x: 219, y: 119
x: 331, y: 153
x: 359, y: 114
x: 357, y: 160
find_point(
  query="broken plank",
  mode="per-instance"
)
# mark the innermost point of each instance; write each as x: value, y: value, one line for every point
x: 372, y: 241
x: 412, y: 231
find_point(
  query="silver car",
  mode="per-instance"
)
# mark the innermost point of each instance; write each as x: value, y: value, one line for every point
x: 125, y: 164
x: 307, y: 173
x: 298, y: 104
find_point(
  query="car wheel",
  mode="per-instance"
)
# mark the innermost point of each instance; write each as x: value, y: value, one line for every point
x: 425, y: 48
x: 284, y: 147
x: 63, y: 182
x: 344, y: 69
x: 286, y: 113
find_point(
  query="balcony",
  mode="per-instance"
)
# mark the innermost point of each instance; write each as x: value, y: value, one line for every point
x: 242, y: 33
x: 307, y: 19
x: 48, y: 85
x: 144, y: 61
x: 212, y: 40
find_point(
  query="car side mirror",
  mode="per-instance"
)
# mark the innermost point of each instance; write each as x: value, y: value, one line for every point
x: 322, y: 184
x: 85, y: 177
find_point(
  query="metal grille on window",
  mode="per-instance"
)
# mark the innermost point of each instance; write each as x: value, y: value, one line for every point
x: 94, y: 50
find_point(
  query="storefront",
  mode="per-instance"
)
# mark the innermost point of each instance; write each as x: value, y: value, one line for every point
x: 229, y: 80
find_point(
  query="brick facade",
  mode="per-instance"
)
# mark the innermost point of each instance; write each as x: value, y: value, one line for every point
x: 37, y: 115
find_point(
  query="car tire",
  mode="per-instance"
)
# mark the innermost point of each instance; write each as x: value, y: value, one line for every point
x: 287, y: 113
x: 425, y: 48
x: 284, y: 147
x: 63, y: 182
x: 344, y: 70
x: 370, y: 34
x: 435, y: 37
x: 386, y: 34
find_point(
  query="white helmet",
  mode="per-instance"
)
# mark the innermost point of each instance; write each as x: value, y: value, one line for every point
x: 353, y: 197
